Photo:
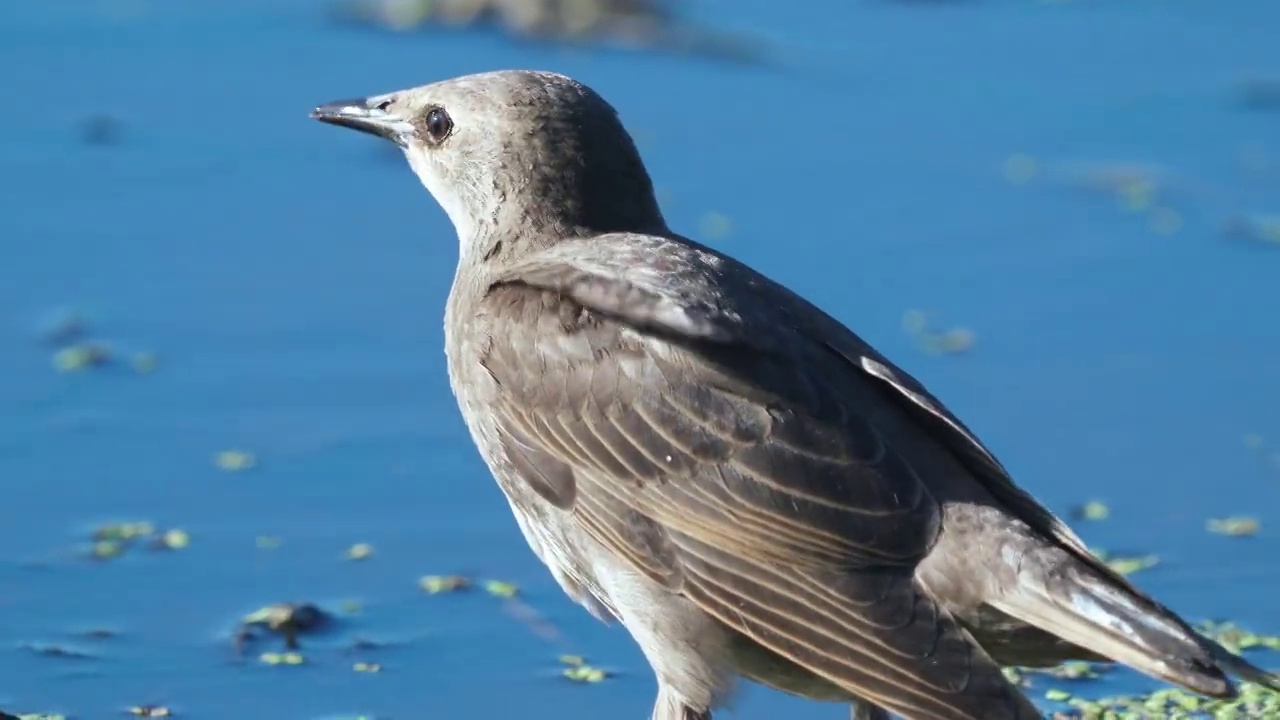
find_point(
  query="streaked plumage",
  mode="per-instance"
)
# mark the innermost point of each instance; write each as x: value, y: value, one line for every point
x: 701, y: 454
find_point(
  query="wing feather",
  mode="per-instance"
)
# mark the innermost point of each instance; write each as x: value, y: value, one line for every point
x: 746, y: 481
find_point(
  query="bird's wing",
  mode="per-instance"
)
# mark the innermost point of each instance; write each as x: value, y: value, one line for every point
x: 742, y: 476
x: 632, y: 292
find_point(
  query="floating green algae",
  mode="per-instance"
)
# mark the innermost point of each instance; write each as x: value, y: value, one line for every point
x: 578, y: 670
x: 1236, y: 526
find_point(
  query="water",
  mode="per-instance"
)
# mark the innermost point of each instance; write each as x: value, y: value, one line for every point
x: 290, y: 279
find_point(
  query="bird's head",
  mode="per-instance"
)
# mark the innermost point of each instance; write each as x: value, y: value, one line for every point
x: 514, y: 151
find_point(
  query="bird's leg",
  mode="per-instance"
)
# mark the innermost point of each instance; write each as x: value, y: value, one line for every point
x: 863, y: 710
x: 671, y: 706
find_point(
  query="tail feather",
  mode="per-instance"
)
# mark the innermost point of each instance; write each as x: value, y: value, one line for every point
x: 1074, y: 602
x: 1242, y: 668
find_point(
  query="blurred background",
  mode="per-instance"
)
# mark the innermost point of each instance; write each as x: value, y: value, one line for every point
x: 233, y: 480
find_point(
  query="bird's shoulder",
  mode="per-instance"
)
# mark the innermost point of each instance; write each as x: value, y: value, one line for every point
x: 662, y: 284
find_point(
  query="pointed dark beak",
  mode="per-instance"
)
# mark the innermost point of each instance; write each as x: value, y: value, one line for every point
x: 360, y: 114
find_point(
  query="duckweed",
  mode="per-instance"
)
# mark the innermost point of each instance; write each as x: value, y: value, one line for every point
x: 945, y: 342
x: 1126, y: 564
x: 285, y: 658
x: 502, y: 589
x: 359, y: 551
x: 81, y: 357
x: 1237, y: 526
x: 287, y: 620
x: 1092, y: 510
x: 436, y: 584
x: 577, y: 670
x: 235, y: 460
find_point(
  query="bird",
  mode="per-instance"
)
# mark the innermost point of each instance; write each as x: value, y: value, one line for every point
x: 700, y: 454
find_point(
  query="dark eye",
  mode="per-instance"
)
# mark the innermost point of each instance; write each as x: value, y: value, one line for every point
x: 438, y: 124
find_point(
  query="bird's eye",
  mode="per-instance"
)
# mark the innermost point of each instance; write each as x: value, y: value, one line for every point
x: 438, y: 125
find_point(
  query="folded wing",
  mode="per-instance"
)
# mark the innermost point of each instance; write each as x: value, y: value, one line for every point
x: 737, y: 472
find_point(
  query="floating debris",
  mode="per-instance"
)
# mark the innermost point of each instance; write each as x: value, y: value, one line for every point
x: 1237, y: 639
x: 1070, y: 670
x: 143, y: 363
x: 235, y: 460
x: 81, y: 357
x: 280, y: 617
x: 55, y: 651
x: 499, y: 588
x: 577, y: 670
x: 363, y: 667
x: 150, y: 711
x: 362, y: 644
x: 101, y: 130
x: 1055, y: 695
x: 1015, y: 676
x: 106, y: 550
x: 112, y: 540
x: 1254, y: 701
x: 640, y: 24
x: 285, y: 658
x: 176, y: 539
x: 62, y: 326
x: 947, y: 342
x: 65, y: 329
x: 123, y: 532
x: 1260, y: 228
x: 1126, y: 564
x: 1259, y: 94
x: 437, y: 584
x: 287, y: 620
x: 1092, y: 510
x: 1239, y: 526
x: 359, y: 551
x: 1271, y: 457
x: 1136, y: 186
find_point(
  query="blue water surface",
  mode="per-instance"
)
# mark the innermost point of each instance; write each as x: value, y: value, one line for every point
x: 290, y: 279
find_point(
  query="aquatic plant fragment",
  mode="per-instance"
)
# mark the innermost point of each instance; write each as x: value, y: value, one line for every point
x: 235, y: 460
x: 81, y: 357
x: 577, y: 670
x: 287, y: 620
x: 437, y: 584
x: 1238, y: 526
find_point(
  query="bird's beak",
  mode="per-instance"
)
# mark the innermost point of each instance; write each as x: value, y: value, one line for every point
x: 364, y: 115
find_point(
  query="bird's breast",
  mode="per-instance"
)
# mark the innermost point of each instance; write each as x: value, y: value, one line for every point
x: 553, y: 534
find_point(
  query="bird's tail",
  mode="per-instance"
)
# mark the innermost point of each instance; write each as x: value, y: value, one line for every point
x: 1085, y: 607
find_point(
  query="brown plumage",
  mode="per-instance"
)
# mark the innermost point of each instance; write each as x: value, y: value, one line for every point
x: 745, y: 484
